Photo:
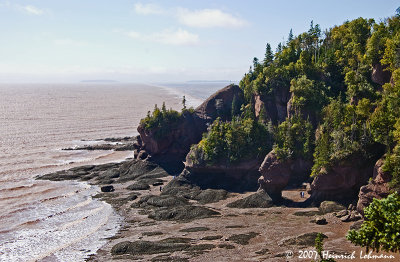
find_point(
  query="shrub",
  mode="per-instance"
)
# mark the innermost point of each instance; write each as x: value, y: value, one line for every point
x: 161, y: 121
x: 231, y: 142
x: 381, y: 230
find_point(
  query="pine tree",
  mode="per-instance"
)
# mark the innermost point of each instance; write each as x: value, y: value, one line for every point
x: 255, y: 63
x: 279, y: 48
x: 235, y: 106
x: 269, y: 56
x: 290, y: 37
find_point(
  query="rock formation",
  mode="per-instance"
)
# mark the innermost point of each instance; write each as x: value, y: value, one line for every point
x: 379, y: 75
x: 342, y: 181
x: 378, y: 187
x: 274, y: 106
x: 234, y: 177
x: 276, y: 174
x: 171, y: 149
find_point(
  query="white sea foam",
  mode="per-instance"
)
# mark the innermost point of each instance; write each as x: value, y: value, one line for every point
x: 59, y: 221
x: 71, y: 223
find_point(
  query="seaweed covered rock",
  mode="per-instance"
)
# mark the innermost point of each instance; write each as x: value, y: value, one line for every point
x: 330, y: 206
x: 303, y: 240
x: 146, y: 247
x: 182, y: 213
x: 257, y: 200
x: 182, y: 187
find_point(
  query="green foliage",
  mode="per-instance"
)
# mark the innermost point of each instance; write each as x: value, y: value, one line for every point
x: 381, y: 230
x: 329, y: 78
x: 231, y: 142
x: 387, y: 112
x: 343, y: 132
x: 392, y: 166
x: 319, y: 244
x: 160, y: 121
x: 307, y: 95
x: 358, y: 86
x: 269, y: 56
x: 294, y: 138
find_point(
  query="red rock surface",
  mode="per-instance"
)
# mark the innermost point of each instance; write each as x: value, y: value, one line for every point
x: 276, y: 174
x: 342, y: 181
x: 376, y: 188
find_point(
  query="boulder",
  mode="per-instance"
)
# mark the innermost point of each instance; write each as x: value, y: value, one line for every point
x: 320, y: 221
x: 356, y: 225
x: 276, y: 174
x: 329, y: 207
x: 107, y: 189
x: 138, y: 186
x: 378, y: 187
x: 342, y: 213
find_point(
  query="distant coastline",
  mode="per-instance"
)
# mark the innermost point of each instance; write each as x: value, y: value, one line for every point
x: 99, y: 81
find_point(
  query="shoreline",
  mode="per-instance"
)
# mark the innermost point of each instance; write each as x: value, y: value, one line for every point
x: 218, y: 233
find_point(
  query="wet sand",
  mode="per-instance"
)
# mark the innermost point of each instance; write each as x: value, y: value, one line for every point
x: 247, y: 234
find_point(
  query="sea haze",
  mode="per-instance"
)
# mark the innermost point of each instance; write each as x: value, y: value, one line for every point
x: 60, y: 221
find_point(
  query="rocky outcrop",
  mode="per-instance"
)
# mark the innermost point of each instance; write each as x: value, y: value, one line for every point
x: 378, y: 187
x: 238, y: 177
x: 171, y: 148
x: 274, y: 105
x: 379, y: 75
x: 277, y: 174
x: 342, y: 181
x: 220, y: 104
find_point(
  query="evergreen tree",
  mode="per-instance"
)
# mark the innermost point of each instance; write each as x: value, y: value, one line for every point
x: 279, y: 48
x: 255, y: 63
x: 290, y: 37
x: 269, y: 56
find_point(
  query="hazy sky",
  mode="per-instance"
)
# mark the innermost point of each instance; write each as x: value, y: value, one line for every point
x: 155, y: 41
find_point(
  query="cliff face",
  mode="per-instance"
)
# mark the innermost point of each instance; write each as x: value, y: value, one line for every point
x: 378, y: 187
x: 220, y: 104
x: 379, y: 75
x: 277, y: 174
x: 238, y: 177
x: 274, y: 106
x: 342, y: 181
x: 172, y: 148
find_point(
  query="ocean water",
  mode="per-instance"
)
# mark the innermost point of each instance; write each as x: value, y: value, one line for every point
x: 60, y: 221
